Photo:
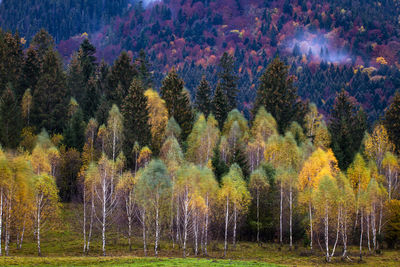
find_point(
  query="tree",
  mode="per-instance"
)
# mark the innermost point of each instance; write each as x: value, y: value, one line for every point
x: 136, y: 117
x: 392, y: 121
x: 347, y: 126
x: 228, y: 80
x: 75, y: 79
x: 114, y: 132
x: 126, y: 188
x: 46, y: 206
x: 220, y: 105
x: 26, y: 105
x: 87, y: 59
x: 30, y: 71
x: 158, y: 118
x: 50, y: 97
x: 259, y: 185
x: 154, y: 186
x: 391, y: 168
x: 319, y: 164
x: 177, y: 100
x: 74, y: 133
x: 10, y: 118
x: 378, y: 144
x: 278, y: 95
x: 233, y: 193
x: 203, y: 97
x: 144, y: 70
x: 120, y: 79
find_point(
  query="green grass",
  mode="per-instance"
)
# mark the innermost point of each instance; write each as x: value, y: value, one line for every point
x: 63, y: 247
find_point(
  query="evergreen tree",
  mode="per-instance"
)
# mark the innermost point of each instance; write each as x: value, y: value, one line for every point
x: 74, y: 134
x: 75, y: 79
x: 50, y: 97
x: 177, y: 100
x: 42, y: 42
x: 392, y: 121
x: 87, y: 59
x: 10, y: 119
x: 120, y: 78
x: 203, y: 97
x: 11, y: 58
x: 136, y: 117
x: 91, y: 99
x: 278, y: 95
x: 347, y: 126
x: 144, y: 72
x: 220, y: 105
x: 30, y: 71
x: 228, y: 80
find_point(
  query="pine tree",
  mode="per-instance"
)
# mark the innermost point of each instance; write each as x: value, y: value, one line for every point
x: 278, y: 95
x: 120, y: 78
x: 347, y: 126
x: 220, y: 106
x: 74, y: 134
x: 91, y: 99
x: 50, y: 97
x: 392, y: 121
x: 177, y: 100
x: 75, y: 79
x: 11, y: 58
x: 203, y: 97
x: 136, y: 117
x: 228, y: 80
x: 9, y: 118
x: 42, y: 42
x: 30, y: 71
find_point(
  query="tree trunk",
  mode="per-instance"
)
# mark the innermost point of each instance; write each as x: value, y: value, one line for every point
x: 23, y: 232
x: 157, y: 227
x: 178, y: 240
x: 368, y: 239
x: 38, y: 228
x: 326, y: 221
x: 311, y: 225
x: 103, y: 224
x: 258, y: 216
x: 1, y: 217
x: 206, y: 228
x: 196, y: 233
x: 344, y: 232
x: 280, y: 215
x: 337, y: 231
x: 144, y: 231
x: 91, y: 225
x: 373, y: 225
x: 7, y: 237
x: 361, y: 233
x: 226, y: 225
x: 84, y: 220
x: 185, y: 221
x: 291, y: 216
x: 234, y: 224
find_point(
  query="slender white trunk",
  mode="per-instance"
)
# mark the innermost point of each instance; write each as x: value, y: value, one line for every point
x: 91, y: 224
x: 103, y: 223
x: 337, y: 230
x: 157, y: 231
x: 178, y: 240
x: 291, y: 216
x: 1, y: 216
x: 206, y: 228
x: 23, y: 232
x: 185, y: 220
x: 84, y: 220
x: 258, y: 215
x: 311, y: 225
x: 234, y: 224
x: 7, y: 237
x: 226, y: 225
x: 326, y: 221
x: 280, y: 215
x: 373, y: 225
x: 361, y: 233
x: 196, y: 233
x: 38, y: 214
x: 344, y: 232
x: 144, y: 231
x: 368, y: 239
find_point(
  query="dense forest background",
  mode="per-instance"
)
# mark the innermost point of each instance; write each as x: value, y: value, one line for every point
x: 330, y: 45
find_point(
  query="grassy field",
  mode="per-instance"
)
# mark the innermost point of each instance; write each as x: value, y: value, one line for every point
x: 64, y: 248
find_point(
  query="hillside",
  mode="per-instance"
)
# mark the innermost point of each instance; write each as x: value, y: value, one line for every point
x: 193, y: 34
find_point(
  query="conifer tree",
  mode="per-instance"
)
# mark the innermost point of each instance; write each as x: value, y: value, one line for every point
x: 11, y: 58
x: 177, y: 100
x: 392, y: 121
x: 220, y: 106
x: 10, y: 118
x: 278, y: 95
x: 144, y: 70
x: 228, y: 80
x: 50, y: 97
x: 30, y: 71
x: 75, y: 79
x: 74, y: 134
x: 347, y: 126
x: 91, y: 99
x: 120, y: 78
x: 87, y: 59
x: 136, y: 117
x: 203, y: 97
x: 42, y: 42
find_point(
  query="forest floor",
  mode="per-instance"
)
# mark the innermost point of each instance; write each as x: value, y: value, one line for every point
x: 63, y: 247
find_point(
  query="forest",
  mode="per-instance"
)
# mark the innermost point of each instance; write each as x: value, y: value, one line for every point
x: 162, y: 166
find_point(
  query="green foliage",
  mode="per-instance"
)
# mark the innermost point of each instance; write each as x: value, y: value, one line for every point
x: 228, y: 80
x: 392, y: 121
x: 74, y: 134
x: 203, y: 97
x: 220, y: 106
x: 10, y: 118
x: 278, y: 95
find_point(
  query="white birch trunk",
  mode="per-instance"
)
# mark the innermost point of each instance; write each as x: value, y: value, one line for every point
x: 326, y: 221
x: 280, y: 214
x: 361, y: 233
x: 291, y: 216
x: 226, y: 225
x: 234, y: 224
x: 206, y: 228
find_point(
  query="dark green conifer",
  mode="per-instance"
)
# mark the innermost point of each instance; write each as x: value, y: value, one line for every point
x: 203, y: 97
x: 228, y: 80
x: 220, y: 106
x: 10, y: 118
x: 392, y: 121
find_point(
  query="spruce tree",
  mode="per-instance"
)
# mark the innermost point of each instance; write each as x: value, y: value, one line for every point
x: 75, y: 79
x: 30, y: 71
x: 10, y: 118
x: 74, y: 134
x: 228, y: 80
x: 11, y: 58
x: 120, y: 78
x: 91, y: 99
x: 42, y: 42
x: 203, y: 97
x: 144, y: 72
x: 177, y: 100
x: 50, y: 99
x: 347, y: 126
x: 87, y: 59
x: 220, y: 107
x: 392, y: 121
x: 136, y: 118
x: 278, y: 95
